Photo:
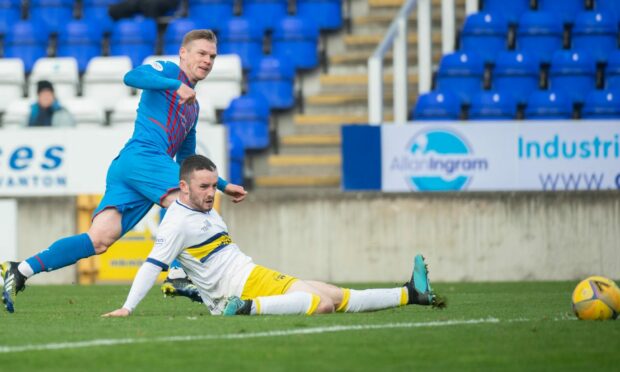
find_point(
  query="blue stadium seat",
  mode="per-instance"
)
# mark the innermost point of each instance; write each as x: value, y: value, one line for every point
x: 248, y: 117
x: 460, y: 73
x: 602, y: 104
x: 173, y: 37
x: 436, y: 106
x: 134, y: 38
x: 96, y: 13
x: 266, y: 13
x: 548, y: 105
x: 572, y: 72
x: 236, y: 153
x: 511, y: 10
x: 27, y: 41
x: 327, y: 14
x: 609, y: 6
x: 492, y: 105
x: 243, y: 37
x: 486, y: 34
x: 566, y: 9
x: 297, y: 39
x: 595, y: 33
x: 273, y: 78
x: 54, y: 14
x: 10, y: 12
x: 517, y: 74
x: 612, y: 71
x: 77, y: 39
x: 540, y: 34
x: 211, y: 14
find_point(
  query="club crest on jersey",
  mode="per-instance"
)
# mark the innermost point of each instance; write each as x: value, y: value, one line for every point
x: 205, y: 226
x: 157, y: 66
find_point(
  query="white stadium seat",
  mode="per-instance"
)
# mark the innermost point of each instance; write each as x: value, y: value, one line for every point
x: 223, y: 83
x: 207, y: 111
x: 17, y: 113
x: 171, y: 57
x: 103, y: 80
x: 124, y: 112
x: 85, y: 111
x: 12, y: 81
x: 62, y: 72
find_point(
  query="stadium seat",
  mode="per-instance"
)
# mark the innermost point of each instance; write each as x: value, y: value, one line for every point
x: 173, y: 37
x: 486, y: 34
x: 326, y: 13
x: 207, y: 114
x: 492, y: 105
x: 510, y: 10
x: 212, y: 14
x: 95, y: 12
x: 223, y: 83
x: 12, y: 81
x: 79, y: 40
x: 595, y: 33
x: 266, y: 13
x: 540, y: 34
x: 236, y: 153
x: 602, y: 104
x: 460, y: 73
x: 572, y: 72
x: 273, y: 78
x: 248, y: 117
x: 609, y: 6
x: 612, y: 71
x: 85, y: 111
x: 62, y: 72
x: 243, y: 37
x: 125, y: 112
x: 134, y: 38
x: 437, y: 106
x: 10, y: 12
x: 517, y: 74
x: 54, y: 14
x: 548, y: 105
x: 566, y: 9
x: 17, y: 113
x: 103, y: 80
x: 296, y: 39
x: 27, y: 41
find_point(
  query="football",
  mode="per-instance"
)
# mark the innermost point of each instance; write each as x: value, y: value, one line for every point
x: 596, y: 298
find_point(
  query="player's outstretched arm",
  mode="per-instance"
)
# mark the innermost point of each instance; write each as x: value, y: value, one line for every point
x: 152, y: 77
x: 236, y: 192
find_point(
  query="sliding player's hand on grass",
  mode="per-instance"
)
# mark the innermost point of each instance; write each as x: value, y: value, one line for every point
x: 237, y: 192
x: 118, y: 313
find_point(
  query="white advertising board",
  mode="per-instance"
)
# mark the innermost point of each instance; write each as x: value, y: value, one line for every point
x: 482, y: 156
x: 71, y: 161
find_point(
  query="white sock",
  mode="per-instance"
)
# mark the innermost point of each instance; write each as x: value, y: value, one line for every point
x: 176, y: 273
x: 290, y: 303
x: 356, y: 301
x: 25, y: 269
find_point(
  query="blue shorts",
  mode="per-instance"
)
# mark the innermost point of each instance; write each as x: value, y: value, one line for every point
x: 138, y: 178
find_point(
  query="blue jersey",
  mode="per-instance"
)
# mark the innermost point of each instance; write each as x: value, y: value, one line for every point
x: 162, y: 122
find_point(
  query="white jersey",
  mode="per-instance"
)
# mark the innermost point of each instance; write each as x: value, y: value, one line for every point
x: 200, y: 241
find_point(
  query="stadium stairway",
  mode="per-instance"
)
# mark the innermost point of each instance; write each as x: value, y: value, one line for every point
x: 307, y: 154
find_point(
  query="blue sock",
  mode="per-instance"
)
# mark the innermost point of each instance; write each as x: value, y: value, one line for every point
x: 63, y: 252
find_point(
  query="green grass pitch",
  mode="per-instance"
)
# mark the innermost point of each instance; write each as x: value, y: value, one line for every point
x: 487, y: 326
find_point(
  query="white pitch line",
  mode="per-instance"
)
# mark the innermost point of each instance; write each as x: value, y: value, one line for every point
x: 236, y: 336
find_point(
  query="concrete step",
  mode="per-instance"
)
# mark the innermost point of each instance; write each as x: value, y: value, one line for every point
x: 297, y: 181
x: 310, y: 140
x: 349, y: 98
x: 361, y: 57
x: 313, y: 120
x: 398, y: 3
x: 358, y: 80
x: 370, y: 41
x: 304, y: 164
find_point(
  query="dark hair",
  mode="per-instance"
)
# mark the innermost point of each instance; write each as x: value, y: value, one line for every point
x: 197, y: 35
x: 44, y: 85
x: 193, y: 163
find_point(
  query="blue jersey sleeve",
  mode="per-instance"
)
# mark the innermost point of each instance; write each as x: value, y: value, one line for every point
x: 153, y: 76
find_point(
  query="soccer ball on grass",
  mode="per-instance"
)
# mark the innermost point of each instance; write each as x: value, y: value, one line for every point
x: 596, y: 298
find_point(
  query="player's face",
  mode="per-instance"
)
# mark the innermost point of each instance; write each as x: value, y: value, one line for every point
x: 199, y: 194
x: 197, y: 59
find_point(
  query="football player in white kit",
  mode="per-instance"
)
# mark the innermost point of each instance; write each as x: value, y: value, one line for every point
x: 229, y: 282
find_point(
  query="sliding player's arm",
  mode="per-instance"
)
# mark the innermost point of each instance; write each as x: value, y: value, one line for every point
x: 168, y: 246
x: 156, y: 76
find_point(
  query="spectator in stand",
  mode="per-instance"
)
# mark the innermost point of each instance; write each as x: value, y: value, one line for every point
x: 147, y: 8
x: 47, y: 112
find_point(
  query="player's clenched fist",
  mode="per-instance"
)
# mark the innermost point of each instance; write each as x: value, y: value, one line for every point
x: 186, y: 94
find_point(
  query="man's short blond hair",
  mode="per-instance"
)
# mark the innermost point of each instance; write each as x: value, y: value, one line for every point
x: 198, y: 35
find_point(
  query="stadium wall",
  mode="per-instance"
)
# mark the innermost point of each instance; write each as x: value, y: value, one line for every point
x: 361, y: 237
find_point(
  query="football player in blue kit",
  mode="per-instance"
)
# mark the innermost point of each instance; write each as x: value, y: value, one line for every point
x: 145, y: 171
